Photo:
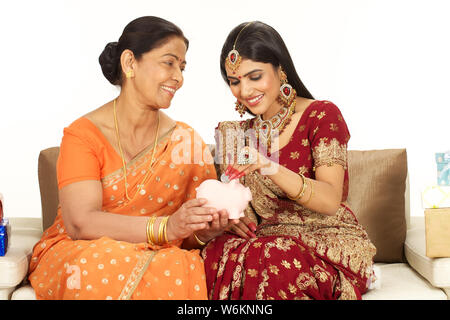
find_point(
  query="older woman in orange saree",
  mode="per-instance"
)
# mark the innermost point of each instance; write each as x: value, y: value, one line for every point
x: 128, y: 225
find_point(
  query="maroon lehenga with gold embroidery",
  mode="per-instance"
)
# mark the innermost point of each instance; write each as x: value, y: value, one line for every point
x: 298, y: 253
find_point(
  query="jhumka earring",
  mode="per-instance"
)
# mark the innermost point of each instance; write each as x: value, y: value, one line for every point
x: 240, y: 108
x: 287, y: 93
x: 233, y: 59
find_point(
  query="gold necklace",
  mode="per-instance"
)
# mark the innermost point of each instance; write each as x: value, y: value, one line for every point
x: 277, y: 122
x: 124, y: 166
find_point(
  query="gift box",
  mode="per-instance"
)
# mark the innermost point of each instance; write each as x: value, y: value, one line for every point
x: 437, y: 232
x: 443, y: 168
x: 436, y: 197
x: 4, y: 236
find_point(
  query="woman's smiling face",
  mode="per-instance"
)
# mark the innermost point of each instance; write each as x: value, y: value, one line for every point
x: 256, y: 85
x: 158, y: 73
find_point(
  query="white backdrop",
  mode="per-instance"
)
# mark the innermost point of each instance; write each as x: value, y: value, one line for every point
x: 386, y: 64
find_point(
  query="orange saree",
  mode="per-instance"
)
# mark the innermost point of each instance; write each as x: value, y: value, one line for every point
x: 62, y: 268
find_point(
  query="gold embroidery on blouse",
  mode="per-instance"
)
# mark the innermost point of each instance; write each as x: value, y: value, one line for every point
x: 295, y: 155
x: 302, y: 170
x: 305, y: 142
x: 321, y: 115
x: 313, y: 114
x: 334, y: 127
x: 330, y: 153
x: 315, y: 131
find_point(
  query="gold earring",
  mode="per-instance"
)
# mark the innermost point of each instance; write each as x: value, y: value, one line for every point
x: 287, y: 93
x: 129, y: 74
x: 240, y: 108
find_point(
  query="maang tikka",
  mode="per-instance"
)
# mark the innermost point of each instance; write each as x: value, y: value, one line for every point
x: 233, y: 59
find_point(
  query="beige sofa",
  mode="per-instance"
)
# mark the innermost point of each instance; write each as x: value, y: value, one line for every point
x: 379, y: 196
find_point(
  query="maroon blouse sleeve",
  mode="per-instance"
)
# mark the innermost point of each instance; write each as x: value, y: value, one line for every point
x: 328, y: 135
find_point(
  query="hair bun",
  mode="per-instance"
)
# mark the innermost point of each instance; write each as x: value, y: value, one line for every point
x: 109, y: 61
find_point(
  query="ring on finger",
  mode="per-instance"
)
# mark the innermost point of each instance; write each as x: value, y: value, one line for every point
x: 245, y: 157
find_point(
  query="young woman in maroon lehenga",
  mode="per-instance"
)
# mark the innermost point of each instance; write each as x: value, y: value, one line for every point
x: 299, y: 239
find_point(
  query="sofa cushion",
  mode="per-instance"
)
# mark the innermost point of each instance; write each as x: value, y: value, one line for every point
x: 25, y: 292
x: 436, y: 270
x: 377, y: 181
x: 398, y: 281
x: 14, y: 265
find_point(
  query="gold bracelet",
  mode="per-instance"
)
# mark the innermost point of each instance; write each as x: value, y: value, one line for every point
x: 165, y: 230
x: 312, y: 192
x: 162, y: 227
x: 150, y: 223
x: 302, y: 191
x: 160, y: 231
x: 200, y: 242
x: 163, y: 236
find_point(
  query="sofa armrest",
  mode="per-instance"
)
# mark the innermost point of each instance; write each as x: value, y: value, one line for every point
x: 25, y: 233
x: 435, y: 270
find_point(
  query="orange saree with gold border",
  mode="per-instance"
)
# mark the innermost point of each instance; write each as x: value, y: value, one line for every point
x: 62, y: 268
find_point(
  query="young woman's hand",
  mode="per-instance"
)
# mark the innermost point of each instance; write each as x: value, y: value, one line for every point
x: 245, y: 228
x: 218, y: 225
x: 249, y: 160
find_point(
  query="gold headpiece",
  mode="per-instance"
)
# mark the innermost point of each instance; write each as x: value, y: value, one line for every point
x: 234, y: 59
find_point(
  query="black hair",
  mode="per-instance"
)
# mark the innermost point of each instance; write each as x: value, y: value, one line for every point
x: 262, y: 43
x: 140, y: 36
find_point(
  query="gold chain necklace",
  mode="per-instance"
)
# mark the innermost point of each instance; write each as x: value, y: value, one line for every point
x: 140, y: 186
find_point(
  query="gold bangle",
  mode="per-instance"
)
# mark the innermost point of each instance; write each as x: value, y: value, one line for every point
x: 302, y: 190
x: 160, y: 229
x: 165, y: 230
x: 150, y: 223
x: 312, y: 192
x: 200, y: 242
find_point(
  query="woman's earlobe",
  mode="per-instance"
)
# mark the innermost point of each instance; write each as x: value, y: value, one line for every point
x: 129, y: 74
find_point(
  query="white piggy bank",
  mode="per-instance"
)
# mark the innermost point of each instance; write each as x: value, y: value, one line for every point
x: 232, y: 196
